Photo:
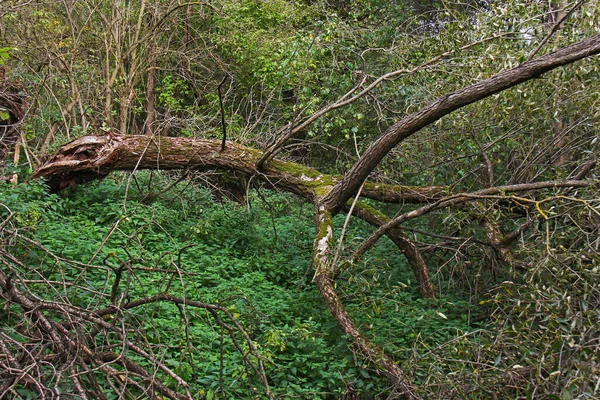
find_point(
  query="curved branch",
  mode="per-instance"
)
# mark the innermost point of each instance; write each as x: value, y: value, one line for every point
x: 416, y: 121
x: 406, y: 246
x: 324, y: 274
x: 462, y: 198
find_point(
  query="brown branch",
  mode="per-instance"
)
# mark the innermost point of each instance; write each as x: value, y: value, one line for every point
x: 324, y: 277
x: 444, y: 105
x: 406, y: 246
x: 346, y: 99
x: 223, y: 123
x: 555, y: 28
x: 93, y: 157
x: 583, y: 170
x: 462, y: 198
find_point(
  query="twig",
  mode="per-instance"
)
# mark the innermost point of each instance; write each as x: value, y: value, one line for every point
x: 223, y: 125
x: 554, y: 29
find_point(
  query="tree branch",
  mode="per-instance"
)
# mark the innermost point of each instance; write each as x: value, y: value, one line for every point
x: 406, y: 246
x: 324, y: 274
x: 93, y: 157
x: 346, y: 99
x: 462, y: 198
x: 444, y: 105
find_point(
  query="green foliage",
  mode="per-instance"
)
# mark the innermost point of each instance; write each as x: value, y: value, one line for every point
x: 542, y: 338
x: 263, y: 39
x: 4, y: 54
x: 253, y: 261
x: 172, y: 93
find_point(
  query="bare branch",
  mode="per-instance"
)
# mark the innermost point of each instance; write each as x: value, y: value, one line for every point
x: 324, y: 274
x: 462, y: 198
x: 346, y: 99
x: 555, y: 28
x: 406, y: 246
x: 416, y: 121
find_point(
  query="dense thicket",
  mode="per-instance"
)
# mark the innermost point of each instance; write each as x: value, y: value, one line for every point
x: 475, y: 127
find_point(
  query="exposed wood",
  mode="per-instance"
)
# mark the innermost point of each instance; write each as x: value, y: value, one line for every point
x: 324, y: 273
x: 95, y: 156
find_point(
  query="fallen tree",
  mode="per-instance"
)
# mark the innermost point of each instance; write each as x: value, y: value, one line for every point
x: 94, y: 156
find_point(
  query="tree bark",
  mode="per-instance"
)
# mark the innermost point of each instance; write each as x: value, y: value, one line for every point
x: 416, y: 121
x: 324, y: 273
x: 93, y: 157
x: 406, y: 246
x: 14, y: 104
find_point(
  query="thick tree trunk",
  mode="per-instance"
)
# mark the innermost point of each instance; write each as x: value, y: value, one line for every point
x: 95, y: 156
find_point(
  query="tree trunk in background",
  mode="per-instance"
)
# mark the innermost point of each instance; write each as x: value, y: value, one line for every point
x: 151, y: 78
x: 12, y: 110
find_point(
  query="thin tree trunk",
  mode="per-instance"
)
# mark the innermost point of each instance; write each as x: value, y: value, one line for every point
x: 150, y: 99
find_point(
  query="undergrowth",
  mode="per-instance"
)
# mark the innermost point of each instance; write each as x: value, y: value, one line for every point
x: 253, y: 259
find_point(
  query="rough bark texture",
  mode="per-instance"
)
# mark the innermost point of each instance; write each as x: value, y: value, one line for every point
x: 93, y: 157
x: 324, y: 273
x: 416, y: 121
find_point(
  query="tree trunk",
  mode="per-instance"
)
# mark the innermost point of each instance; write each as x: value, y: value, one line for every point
x: 12, y: 110
x: 93, y: 157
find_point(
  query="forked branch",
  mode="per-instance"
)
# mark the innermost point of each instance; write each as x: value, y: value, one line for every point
x: 462, y: 198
